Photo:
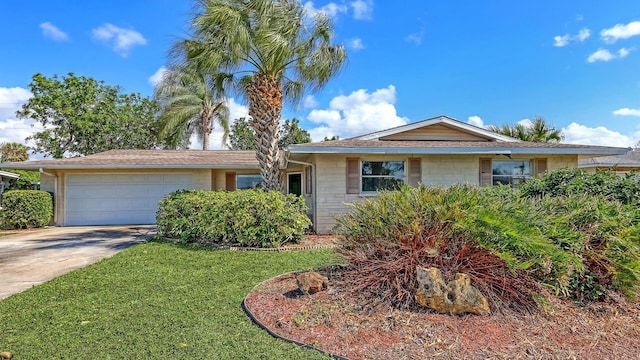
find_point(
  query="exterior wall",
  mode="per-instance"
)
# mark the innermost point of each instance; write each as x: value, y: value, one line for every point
x: 47, y: 183
x: 434, y: 132
x: 437, y: 170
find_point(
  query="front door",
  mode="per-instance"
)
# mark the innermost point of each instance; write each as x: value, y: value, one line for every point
x: 294, y: 183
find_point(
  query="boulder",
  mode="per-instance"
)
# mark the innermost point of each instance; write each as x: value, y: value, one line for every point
x: 311, y: 282
x: 456, y: 297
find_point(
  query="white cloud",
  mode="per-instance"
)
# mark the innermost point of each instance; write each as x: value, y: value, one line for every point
x: 309, y: 102
x: 621, y: 31
x: 362, y: 10
x: 606, y: 55
x: 623, y: 52
x: 564, y: 40
x: 121, y: 39
x: 331, y: 9
x: 11, y: 99
x: 580, y: 134
x: 415, y: 38
x: 627, y: 112
x: 600, y: 55
x: 561, y: 41
x: 157, y: 76
x: 355, y: 44
x: 53, y: 32
x: 17, y: 130
x: 476, y: 121
x: 358, y: 113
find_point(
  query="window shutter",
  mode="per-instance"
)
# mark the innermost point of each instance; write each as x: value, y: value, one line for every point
x: 541, y: 167
x: 230, y: 181
x: 485, y: 172
x: 415, y: 171
x: 353, y: 175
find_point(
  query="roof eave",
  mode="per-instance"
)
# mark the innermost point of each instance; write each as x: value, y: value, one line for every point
x: 131, y: 166
x: 456, y: 151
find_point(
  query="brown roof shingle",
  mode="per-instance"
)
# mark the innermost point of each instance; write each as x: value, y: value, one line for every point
x: 149, y: 159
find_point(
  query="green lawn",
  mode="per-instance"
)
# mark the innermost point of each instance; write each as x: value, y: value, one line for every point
x: 154, y: 300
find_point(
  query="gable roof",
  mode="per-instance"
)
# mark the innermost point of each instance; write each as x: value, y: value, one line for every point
x: 630, y: 160
x: 174, y: 159
x: 439, y: 120
x: 415, y: 138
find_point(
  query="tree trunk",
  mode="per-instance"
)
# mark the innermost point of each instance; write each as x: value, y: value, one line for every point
x: 265, y: 107
x: 207, y: 125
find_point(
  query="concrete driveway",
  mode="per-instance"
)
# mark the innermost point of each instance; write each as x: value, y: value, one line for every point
x: 31, y: 258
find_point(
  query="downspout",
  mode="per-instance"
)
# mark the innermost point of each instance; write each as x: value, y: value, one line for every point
x: 314, y: 189
x: 56, y: 192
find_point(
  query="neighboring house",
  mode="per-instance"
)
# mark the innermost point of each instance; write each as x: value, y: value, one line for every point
x: 124, y: 186
x: 5, y: 177
x: 619, y: 163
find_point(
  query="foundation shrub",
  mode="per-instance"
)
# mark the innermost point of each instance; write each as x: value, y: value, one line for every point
x: 26, y: 208
x: 247, y: 218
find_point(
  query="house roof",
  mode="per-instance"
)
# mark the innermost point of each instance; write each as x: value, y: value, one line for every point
x: 444, y: 135
x: 441, y: 120
x: 4, y: 174
x: 630, y: 159
x: 175, y: 159
x: 350, y: 146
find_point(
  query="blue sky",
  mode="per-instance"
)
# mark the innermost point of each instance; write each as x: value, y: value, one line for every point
x: 575, y: 63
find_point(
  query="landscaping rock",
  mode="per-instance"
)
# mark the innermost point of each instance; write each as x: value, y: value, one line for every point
x: 456, y: 297
x: 311, y: 282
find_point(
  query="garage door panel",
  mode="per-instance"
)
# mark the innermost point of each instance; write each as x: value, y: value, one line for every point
x: 115, y: 199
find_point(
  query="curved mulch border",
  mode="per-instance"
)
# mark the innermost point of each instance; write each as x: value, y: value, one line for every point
x: 253, y: 318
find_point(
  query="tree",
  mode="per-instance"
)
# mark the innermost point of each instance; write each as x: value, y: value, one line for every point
x: 334, y: 137
x: 242, y: 136
x: 268, y: 51
x: 190, y: 102
x: 13, y: 152
x: 539, y: 131
x: 83, y: 116
x: 292, y: 133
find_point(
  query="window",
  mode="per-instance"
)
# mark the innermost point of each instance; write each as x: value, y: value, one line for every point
x: 307, y: 178
x: 381, y: 175
x: 248, y: 181
x: 510, y: 172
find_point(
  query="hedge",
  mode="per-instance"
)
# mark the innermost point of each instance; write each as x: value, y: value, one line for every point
x: 246, y: 218
x: 26, y: 208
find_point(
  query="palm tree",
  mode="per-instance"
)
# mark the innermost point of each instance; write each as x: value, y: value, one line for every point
x: 13, y: 152
x: 538, y: 131
x: 267, y: 51
x: 191, y: 103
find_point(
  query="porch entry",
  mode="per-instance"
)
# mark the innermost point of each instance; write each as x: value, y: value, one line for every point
x: 294, y: 183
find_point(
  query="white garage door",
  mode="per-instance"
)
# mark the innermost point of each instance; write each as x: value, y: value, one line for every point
x: 110, y: 199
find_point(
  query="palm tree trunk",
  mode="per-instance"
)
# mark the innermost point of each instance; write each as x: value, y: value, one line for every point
x: 265, y: 106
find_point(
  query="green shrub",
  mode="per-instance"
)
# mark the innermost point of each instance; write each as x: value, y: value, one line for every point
x: 581, y: 245
x: 247, y: 218
x: 385, y: 238
x: 26, y: 180
x: 563, y: 182
x: 26, y: 208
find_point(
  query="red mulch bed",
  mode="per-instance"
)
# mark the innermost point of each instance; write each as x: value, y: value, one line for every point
x: 336, y: 322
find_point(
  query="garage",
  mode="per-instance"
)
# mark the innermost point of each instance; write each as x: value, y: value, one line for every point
x: 118, y: 199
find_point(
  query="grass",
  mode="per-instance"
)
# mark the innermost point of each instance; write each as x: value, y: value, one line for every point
x: 154, y: 300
